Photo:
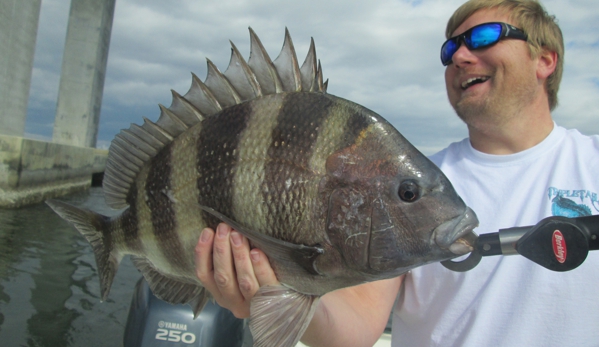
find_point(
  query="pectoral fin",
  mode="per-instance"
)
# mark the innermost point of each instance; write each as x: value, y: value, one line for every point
x: 279, y: 316
x: 294, y: 257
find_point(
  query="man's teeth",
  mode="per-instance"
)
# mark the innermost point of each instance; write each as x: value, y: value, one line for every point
x: 473, y: 80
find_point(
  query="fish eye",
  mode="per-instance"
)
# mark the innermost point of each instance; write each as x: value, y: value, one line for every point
x: 409, y: 191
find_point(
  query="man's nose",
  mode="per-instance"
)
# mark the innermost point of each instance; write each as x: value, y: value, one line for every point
x: 463, y: 55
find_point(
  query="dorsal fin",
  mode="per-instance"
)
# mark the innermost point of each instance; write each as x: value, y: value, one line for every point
x: 242, y: 77
x: 309, y: 70
x: 242, y: 81
x: 263, y: 68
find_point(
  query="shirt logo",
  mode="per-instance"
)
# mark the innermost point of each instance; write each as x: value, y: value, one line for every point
x: 572, y: 203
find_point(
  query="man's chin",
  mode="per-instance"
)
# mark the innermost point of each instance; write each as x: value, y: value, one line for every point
x: 468, y: 110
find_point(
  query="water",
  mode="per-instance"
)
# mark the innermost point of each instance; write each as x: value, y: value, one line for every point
x: 49, y: 287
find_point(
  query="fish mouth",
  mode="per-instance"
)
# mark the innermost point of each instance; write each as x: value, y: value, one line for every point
x: 457, y: 235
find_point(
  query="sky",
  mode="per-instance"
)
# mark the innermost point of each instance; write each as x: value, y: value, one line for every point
x: 382, y: 54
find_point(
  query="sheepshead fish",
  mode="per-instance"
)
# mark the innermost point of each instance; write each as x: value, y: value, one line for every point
x: 329, y: 190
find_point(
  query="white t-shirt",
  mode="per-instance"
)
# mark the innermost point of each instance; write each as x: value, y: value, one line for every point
x: 509, y: 300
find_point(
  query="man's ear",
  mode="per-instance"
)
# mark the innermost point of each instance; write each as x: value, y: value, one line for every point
x: 547, y: 62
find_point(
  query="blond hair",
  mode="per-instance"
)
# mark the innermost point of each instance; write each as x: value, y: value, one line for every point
x: 530, y: 16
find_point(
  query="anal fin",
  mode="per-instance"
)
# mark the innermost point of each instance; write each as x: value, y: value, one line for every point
x: 170, y: 289
x: 279, y: 316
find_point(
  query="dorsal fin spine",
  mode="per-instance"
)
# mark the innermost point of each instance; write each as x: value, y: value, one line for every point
x: 321, y: 86
x: 308, y: 70
x: 245, y: 81
x: 169, y: 117
x: 222, y: 90
x: 156, y: 131
x: 287, y: 66
x: 190, y: 109
x: 259, y: 76
x: 201, y: 97
x: 260, y: 61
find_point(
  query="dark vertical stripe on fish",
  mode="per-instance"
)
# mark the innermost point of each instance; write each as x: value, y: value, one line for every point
x: 160, y: 202
x: 217, y: 156
x: 129, y: 224
x: 293, y: 140
x: 356, y: 123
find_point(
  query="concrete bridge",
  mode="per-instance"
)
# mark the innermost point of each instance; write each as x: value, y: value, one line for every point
x: 30, y: 170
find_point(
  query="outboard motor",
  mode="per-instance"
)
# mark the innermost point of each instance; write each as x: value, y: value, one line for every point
x: 155, y: 323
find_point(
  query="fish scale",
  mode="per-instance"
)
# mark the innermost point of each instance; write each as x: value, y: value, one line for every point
x: 329, y: 190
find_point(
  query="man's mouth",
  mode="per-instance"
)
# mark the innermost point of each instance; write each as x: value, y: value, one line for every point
x: 474, y: 80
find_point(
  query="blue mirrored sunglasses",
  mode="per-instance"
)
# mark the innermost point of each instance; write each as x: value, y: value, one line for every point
x: 480, y: 36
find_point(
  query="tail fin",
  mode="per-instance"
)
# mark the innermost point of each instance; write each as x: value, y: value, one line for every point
x: 95, y: 229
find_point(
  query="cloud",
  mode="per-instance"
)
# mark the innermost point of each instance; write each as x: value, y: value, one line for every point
x: 381, y: 54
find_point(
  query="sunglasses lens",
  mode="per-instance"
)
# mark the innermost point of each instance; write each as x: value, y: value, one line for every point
x: 484, y: 35
x: 478, y: 37
x: 447, y: 51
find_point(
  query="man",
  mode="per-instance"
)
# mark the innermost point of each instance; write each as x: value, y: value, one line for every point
x: 516, y: 167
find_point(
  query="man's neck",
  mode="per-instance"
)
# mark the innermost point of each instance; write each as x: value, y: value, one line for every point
x: 511, y: 136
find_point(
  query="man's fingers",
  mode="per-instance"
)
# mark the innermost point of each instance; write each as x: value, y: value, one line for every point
x: 203, y: 261
x: 248, y: 284
x: 229, y: 270
x: 224, y: 268
x: 264, y: 273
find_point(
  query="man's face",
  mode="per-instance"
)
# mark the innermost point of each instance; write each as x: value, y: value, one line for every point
x: 494, y: 83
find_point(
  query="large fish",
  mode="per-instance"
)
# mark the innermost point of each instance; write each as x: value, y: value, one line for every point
x: 329, y: 190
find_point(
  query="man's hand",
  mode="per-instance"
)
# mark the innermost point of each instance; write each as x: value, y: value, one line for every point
x: 233, y: 274
x: 230, y: 271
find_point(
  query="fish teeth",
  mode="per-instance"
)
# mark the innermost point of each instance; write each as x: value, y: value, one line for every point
x: 461, y: 246
x: 472, y: 80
